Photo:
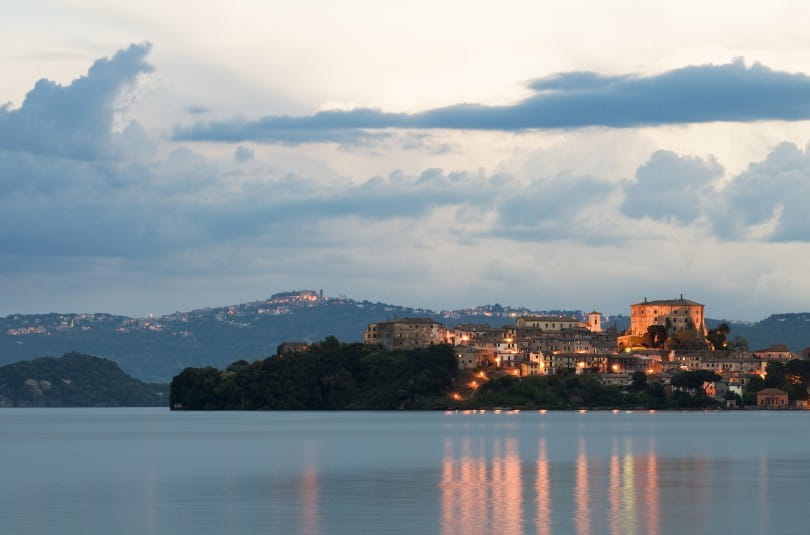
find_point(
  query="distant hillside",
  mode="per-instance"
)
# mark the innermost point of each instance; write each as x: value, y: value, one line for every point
x: 75, y: 380
x: 157, y: 349
x: 792, y: 330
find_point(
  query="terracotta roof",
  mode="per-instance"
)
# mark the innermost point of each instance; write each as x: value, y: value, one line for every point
x: 409, y: 320
x: 772, y: 392
x: 476, y: 327
x: 775, y: 348
x: 549, y: 318
x: 671, y: 302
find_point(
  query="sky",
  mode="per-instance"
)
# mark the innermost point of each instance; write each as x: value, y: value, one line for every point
x: 161, y: 156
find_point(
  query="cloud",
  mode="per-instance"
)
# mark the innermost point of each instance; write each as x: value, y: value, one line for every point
x: 136, y: 213
x: 196, y: 110
x: 693, y: 94
x: 769, y: 200
x: 670, y: 187
x: 243, y: 154
x: 76, y: 120
x: 552, y: 209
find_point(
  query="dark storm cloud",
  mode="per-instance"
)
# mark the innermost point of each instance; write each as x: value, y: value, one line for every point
x: 693, y: 94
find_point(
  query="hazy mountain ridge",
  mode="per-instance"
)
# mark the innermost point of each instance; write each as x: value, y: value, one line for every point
x: 157, y: 348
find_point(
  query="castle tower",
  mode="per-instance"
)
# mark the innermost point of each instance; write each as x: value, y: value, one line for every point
x: 595, y: 322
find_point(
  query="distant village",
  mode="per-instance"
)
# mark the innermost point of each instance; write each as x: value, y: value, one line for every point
x: 665, y: 337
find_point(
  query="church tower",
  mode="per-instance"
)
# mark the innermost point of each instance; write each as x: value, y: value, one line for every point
x: 595, y: 322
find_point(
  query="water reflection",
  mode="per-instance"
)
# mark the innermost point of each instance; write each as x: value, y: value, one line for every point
x: 481, y: 491
x: 614, y: 491
x: 543, y: 489
x: 628, y: 491
x: 651, y: 491
x: 582, y: 517
x: 486, y: 487
x: 310, y: 490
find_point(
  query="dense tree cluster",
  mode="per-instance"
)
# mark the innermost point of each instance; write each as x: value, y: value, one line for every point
x: 330, y: 375
x: 75, y: 380
x: 793, y: 378
x: 570, y: 391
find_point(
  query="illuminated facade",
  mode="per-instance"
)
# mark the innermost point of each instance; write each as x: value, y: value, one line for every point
x: 595, y: 322
x: 674, y: 314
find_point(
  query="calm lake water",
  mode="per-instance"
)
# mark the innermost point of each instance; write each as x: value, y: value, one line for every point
x: 145, y: 471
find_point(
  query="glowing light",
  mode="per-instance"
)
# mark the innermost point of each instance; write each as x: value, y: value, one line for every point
x: 473, y: 384
x: 456, y: 396
x: 542, y: 411
x: 581, y: 364
x: 615, y: 368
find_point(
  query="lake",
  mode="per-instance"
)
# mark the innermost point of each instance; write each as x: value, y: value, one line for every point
x: 152, y: 471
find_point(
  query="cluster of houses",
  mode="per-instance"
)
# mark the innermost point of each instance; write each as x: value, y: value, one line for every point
x: 546, y: 345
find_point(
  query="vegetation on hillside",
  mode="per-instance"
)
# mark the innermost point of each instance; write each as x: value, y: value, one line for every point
x: 570, y: 391
x: 75, y: 380
x: 330, y: 375
x: 792, y: 377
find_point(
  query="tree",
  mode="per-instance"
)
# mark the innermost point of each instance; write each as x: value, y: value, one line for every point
x: 655, y: 336
x: 717, y: 337
x: 687, y: 338
x: 694, y: 380
x: 774, y: 374
x: 755, y: 384
x: 798, y: 369
x: 738, y: 344
x: 639, y: 379
x: 796, y: 391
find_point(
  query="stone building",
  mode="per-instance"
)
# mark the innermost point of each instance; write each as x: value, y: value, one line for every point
x: 775, y: 352
x: 470, y: 357
x: 572, y: 341
x: 406, y: 333
x: 772, y: 398
x: 674, y: 314
x: 548, y: 323
x: 291, y: 348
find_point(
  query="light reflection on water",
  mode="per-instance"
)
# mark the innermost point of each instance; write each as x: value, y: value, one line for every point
x: 481, y: 492
x: 144, y: 471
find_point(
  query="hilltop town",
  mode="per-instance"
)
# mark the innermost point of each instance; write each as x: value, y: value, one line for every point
x: 665, y: 338
x: 156, y: 348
